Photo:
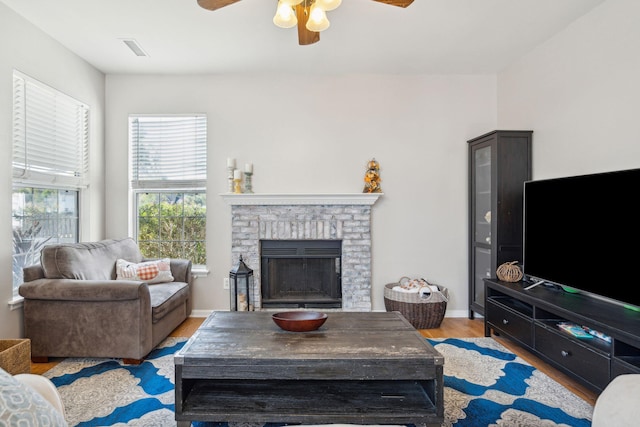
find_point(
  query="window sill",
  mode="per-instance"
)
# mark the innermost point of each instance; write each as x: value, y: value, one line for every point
x: 200, y: 271
x: 15, y: 303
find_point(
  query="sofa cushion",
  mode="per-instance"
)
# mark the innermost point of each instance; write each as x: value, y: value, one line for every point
x: 20, y: 405
x: 89, y: 260
x: 167, y: 296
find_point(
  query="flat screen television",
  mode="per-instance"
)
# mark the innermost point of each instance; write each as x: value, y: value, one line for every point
x: 583, y: 233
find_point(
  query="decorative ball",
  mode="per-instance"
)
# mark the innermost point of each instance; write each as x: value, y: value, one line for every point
x: 509, y: 272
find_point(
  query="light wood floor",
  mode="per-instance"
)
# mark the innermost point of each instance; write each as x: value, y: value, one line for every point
x: 450, y: 328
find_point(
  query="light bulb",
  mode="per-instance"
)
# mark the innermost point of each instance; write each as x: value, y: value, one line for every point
x: 317, y: 19
x: 328, y: 4
x: 285, y: 16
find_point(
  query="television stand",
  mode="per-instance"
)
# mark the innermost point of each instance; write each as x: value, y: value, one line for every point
x: 532, y: 318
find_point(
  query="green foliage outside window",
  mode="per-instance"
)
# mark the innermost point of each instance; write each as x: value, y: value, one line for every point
x: 172, y: 225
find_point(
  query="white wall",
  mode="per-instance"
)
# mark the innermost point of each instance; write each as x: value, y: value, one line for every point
x: 580, y: 93
x: 314, y: 134
x: 25, y: 48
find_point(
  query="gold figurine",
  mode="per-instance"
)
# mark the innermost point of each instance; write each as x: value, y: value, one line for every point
x: 372, y: 178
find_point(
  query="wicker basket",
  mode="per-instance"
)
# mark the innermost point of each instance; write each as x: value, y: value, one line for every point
x: 15, y: 356
x: 422, y: 313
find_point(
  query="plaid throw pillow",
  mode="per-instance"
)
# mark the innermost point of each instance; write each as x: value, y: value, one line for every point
x: 157, y: 271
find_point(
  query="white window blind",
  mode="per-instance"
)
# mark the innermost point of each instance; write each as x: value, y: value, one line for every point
x: 50, y: 135
x: 168, y: 151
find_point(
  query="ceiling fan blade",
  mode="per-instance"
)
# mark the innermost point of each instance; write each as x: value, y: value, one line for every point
x: 215, y: 4
x: 305, y: 36
x: 400, y: 3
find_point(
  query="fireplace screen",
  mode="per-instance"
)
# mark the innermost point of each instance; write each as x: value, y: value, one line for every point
x: 301, y: 273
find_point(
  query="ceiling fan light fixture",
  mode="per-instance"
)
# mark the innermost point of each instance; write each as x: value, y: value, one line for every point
x: 309, y: 15
x: 285, y: 15
x: 329, y: 4
x: 317, y: 19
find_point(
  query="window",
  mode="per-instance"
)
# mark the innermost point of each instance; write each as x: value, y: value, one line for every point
x: 41, y: 216
x: 50, y: 167
x: 172, y: 225
x: 169, y: 173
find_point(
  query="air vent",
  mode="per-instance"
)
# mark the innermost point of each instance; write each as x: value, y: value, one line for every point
x: 135, y: 47
x: 301, y: 248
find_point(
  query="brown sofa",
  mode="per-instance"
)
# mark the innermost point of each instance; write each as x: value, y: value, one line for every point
x: 75, y: 307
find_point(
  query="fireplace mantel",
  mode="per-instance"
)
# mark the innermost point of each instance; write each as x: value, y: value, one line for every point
x: 264, y: 199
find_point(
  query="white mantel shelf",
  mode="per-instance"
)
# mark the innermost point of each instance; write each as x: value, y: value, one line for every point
x: 261, y: 199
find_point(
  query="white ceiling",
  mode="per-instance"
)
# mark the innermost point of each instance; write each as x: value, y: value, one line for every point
x: 430, y: 36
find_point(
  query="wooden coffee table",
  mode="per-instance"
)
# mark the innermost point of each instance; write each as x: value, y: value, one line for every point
x: 358, y: 368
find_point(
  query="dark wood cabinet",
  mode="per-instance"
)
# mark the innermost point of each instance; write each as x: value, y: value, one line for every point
x: 499, y: 164
x: 533, y: 317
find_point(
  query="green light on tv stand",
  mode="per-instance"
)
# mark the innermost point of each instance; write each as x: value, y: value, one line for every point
x: 571, y: 290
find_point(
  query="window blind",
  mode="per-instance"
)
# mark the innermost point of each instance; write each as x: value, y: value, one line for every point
x: 50, y: 135
x: 168, y: 151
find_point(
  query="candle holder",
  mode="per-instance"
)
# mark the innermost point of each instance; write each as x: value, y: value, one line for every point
x: 247, y: 182
x: 230, y: 178
x: 238, y: 188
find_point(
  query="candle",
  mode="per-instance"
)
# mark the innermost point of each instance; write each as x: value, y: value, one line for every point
x: 231, y: 163
x: 237, y: 174
x: 248, y: 167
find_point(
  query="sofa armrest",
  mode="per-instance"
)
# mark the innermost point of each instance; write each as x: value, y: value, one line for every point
x: 181, y: 270
x: 83, y: 290
x: 32, y: 272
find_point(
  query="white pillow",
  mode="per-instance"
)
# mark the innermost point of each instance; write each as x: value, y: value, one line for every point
x: 21, y: 405
x: 157, y: 271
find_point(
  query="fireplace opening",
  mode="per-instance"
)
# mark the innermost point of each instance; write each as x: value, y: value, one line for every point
x: 301, y: 273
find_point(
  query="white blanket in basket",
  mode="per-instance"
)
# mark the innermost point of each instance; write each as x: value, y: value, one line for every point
x: 419, y: 286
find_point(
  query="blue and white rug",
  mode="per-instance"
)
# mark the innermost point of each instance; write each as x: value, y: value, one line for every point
x: 485, y: 385
x: 104, y: 392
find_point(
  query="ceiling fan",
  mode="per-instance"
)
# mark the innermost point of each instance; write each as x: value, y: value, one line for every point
x: 308, y: 15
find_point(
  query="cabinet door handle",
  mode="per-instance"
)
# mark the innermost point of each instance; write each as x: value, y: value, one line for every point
x: 505, y: 322
x: 565, y: 353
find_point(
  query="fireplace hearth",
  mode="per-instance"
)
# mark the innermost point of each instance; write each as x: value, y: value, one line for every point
x: 301, y: 273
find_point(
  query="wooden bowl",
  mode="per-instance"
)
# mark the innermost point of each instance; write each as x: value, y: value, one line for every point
x: 299, y: 321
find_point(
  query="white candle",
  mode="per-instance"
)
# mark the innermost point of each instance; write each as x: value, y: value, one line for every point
x: 248, y: 167
x: 237, y: 174
x: 231, y: 163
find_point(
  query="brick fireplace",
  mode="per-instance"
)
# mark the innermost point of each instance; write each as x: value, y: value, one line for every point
x: 344, y: 217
